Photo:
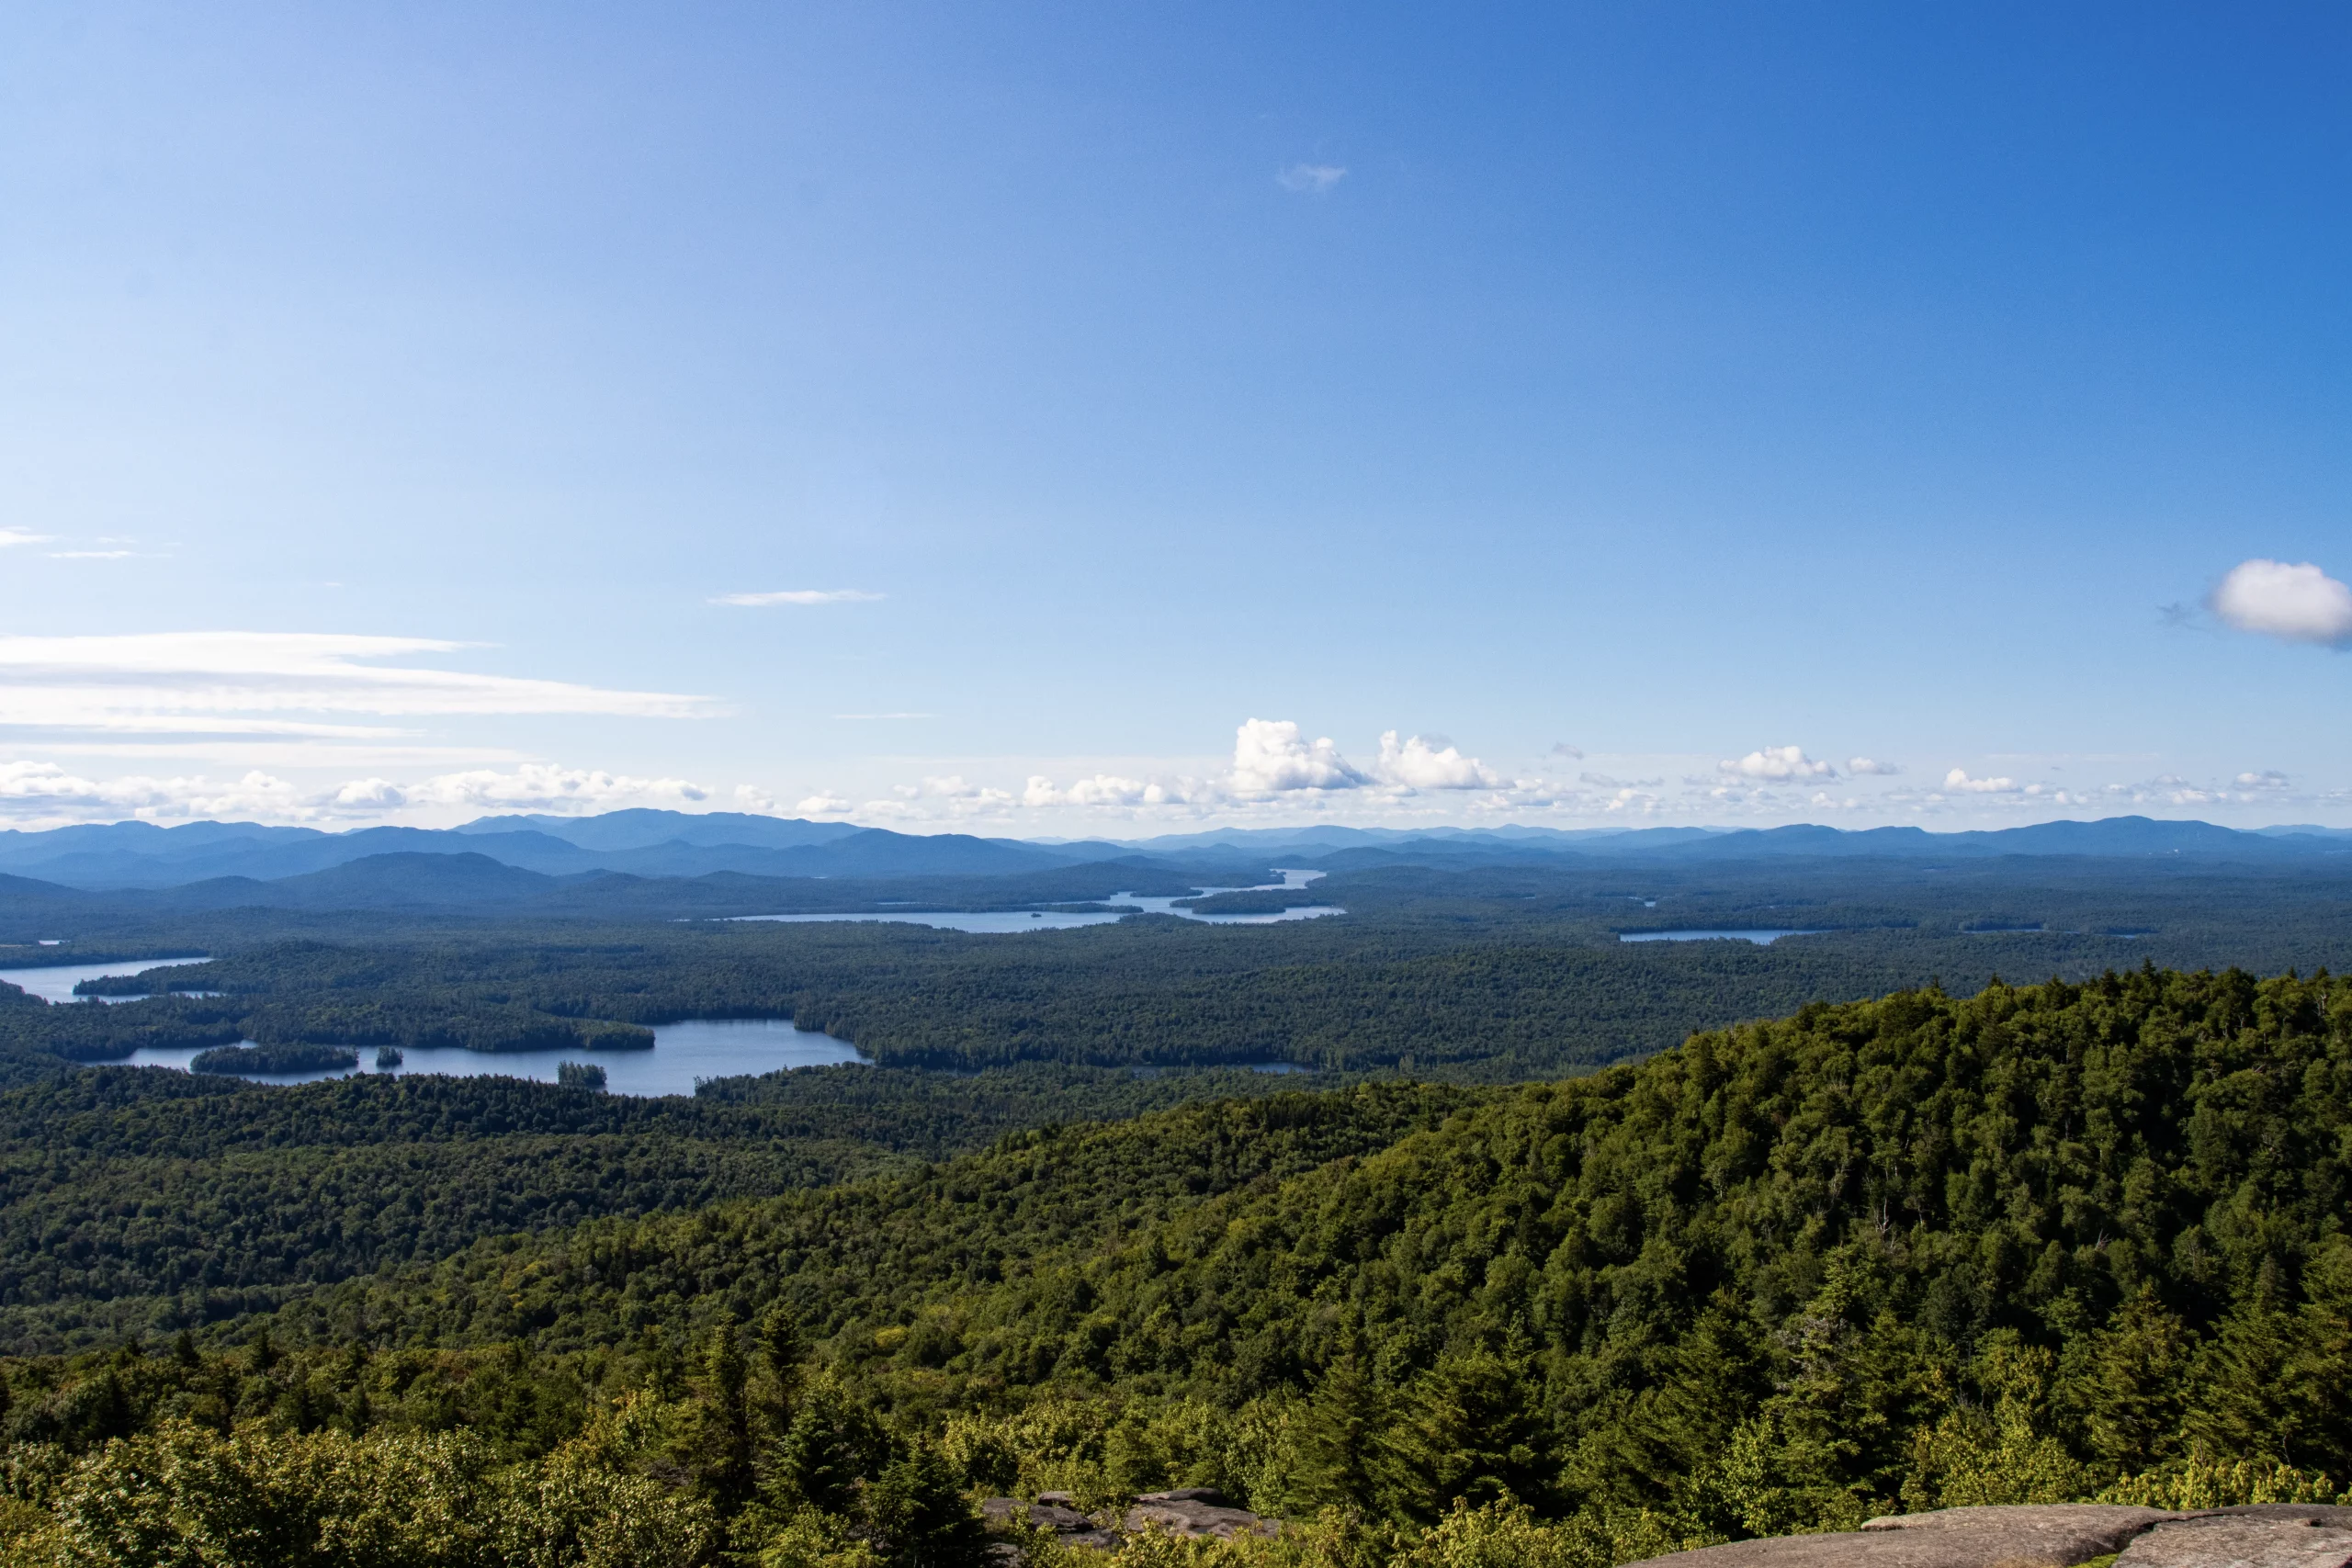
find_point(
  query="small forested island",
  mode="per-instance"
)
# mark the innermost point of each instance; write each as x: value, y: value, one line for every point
x: 294, y: 1057
x: 2042, y: 1244
x: 580, y: 1075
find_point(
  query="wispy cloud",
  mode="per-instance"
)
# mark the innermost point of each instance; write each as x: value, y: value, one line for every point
x: 2296, y: 603
x: 244, y: 682
x: 886, y: 716
x: 1311, y: 179
x: 799, y: 596
x: 9, y: 536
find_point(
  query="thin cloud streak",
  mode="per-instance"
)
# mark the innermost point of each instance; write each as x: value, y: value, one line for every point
x: 799, y: 596
x: 139, y: 683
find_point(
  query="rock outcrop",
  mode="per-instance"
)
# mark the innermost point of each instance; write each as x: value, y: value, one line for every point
x: 2061, y: 1535
x: 1197, y: 1511
x: 2276, y: 1535
x: 1194, y: 1511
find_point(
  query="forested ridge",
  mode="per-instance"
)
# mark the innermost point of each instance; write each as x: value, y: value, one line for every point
x: 2041, y: 1242
x: 137, y: 1200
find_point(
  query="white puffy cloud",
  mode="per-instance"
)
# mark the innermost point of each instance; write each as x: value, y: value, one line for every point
x: 1779, y: 763
x: 536, y: 787
x: 1311, y: 179
x: 824, y: 805
x: 799, y: 596
x: 1271, y: 757
x: 1430, y: 764
x: 962, y: 795
x: 2269, y: 778
x: 241, y: 682
x: 1862, y: 766
x: 1103, y: 790
x: 2298, y: 602
x: 1957, y: 782
x: 43, y: 793
x: 370, y: 795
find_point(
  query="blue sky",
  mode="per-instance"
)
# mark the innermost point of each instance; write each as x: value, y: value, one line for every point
x: 1605, y: 400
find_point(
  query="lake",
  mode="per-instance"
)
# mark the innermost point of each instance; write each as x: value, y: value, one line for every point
x: 1003, y: 920
x: 699, y: 1048
x: 1759, y: 937
x: 56, y: 983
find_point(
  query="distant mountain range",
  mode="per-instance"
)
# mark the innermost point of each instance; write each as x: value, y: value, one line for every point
x: 726, y: 860
x: 140, y: 854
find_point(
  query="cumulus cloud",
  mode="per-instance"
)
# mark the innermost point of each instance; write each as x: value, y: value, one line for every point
x: 1102, y: 790
x: 18, y: 536
x: 1430, y: 764
x: 1860, y: 766
x: 799, y: 596
x: 370, y: 795
x: 2297, y: 604
x: 955, y: 788
x: 1311, y: 179
x: 42, y: 793
x: 2269, y: 778
x: 824, y: 804
x: 1957, y: 782
x: 1779, y: 763
x: 1562, y: 748
x: 225, y: 682
x: 1271, y: 757
x: 565, y: 791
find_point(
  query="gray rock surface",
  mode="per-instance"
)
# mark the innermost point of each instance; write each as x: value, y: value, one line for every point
x: 2277, y: 1535
x: 1188, y: 1511
x: 1194, y: 1511
x: 2041, y: 1536
x: 1069, y: 1526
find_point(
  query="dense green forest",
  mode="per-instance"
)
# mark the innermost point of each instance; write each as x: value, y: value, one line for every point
x: 2060, y: 1241
x: 135, y: 1201
x: 1494, y: 974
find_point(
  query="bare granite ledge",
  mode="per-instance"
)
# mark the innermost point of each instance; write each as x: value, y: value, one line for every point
x: 2058, y: 1535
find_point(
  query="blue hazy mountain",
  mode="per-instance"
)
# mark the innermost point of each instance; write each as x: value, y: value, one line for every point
x: 644, y: 829
x: 140, y: 854
x: 670, y: 844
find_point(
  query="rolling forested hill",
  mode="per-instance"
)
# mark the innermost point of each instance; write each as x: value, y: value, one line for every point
x: 138, y: 1201
x: 2033, y: 1244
